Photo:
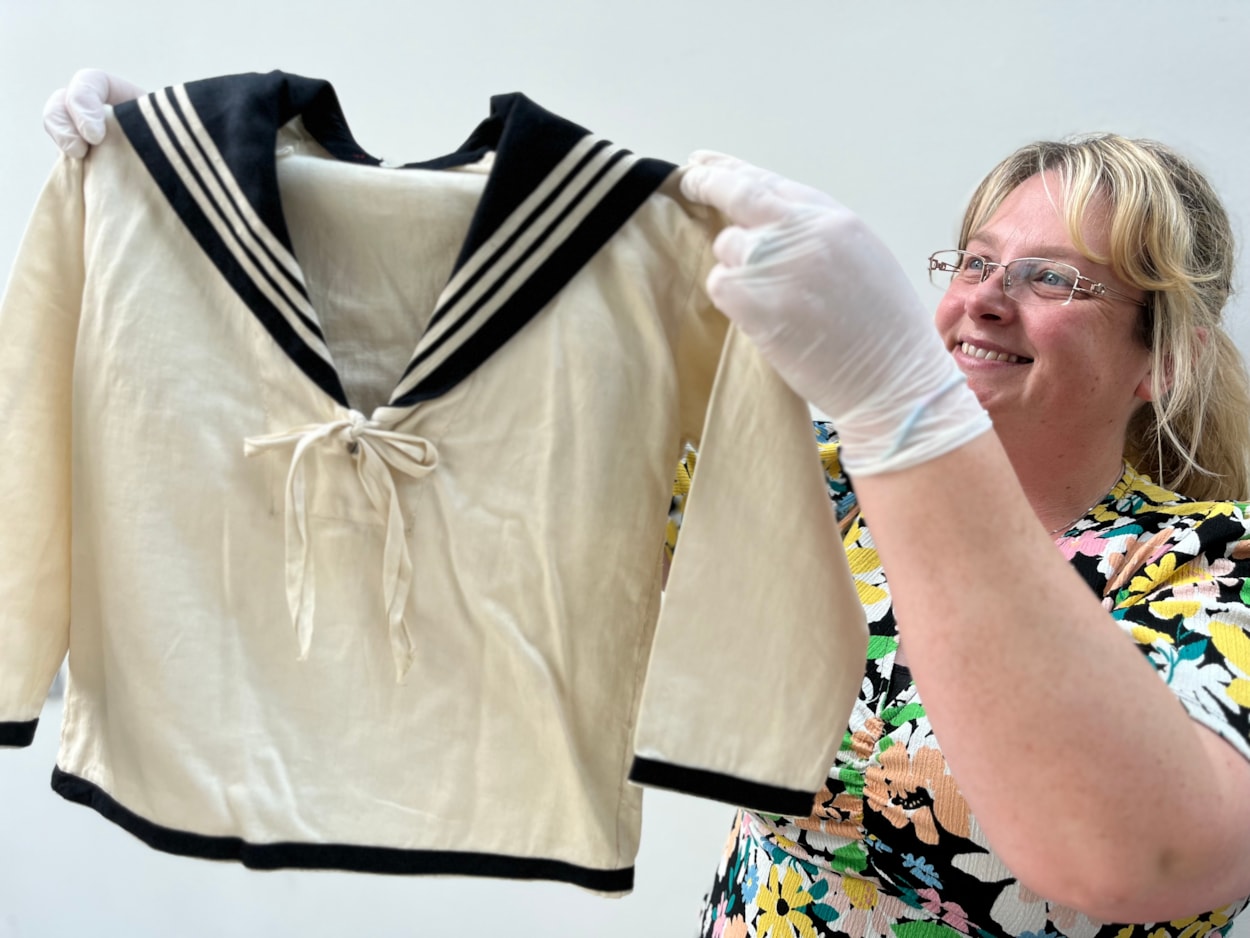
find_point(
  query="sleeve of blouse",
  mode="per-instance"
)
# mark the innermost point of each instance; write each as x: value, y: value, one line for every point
x: 39, y: 322
x: 836, y: 482
x: 1188, y: 609
x: 759, y: 586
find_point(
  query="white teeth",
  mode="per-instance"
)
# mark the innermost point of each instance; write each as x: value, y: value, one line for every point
x: 976, y: 352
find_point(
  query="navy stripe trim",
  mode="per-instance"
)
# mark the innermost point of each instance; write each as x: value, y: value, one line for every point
x: 219, y: 177
x: 487, y: 268
x: 530, y: 297
x: 142, y: 138
x: 18, y: 735
x: 309, y: 856
x: 538, y: 246
x: 736, y: 791
x: 516, y: 127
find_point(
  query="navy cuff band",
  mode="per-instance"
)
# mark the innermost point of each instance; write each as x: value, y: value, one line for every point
x: 18, y: 734
x: 769, y: 799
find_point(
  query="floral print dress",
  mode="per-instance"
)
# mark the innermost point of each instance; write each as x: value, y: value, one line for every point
x: 891, y: 848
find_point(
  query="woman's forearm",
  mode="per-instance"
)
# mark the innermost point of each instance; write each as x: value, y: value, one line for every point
x: 1087, y: 775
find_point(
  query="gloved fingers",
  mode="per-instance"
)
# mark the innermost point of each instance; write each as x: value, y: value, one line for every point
x: 119, y: 89
x: 92, y: 88
x: 60, y: 127
x: 732, y: 294
x: 734, y: 246
x: 89, y: 91
x: 731, y: 185
x: 742, y: 194
x: 722, y: 160
x: 807, y: 238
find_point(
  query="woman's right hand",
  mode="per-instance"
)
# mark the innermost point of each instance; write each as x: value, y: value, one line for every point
x: 74, y: 115
x: 829, y: 307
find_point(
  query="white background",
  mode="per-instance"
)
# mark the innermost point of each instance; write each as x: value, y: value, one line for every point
x: 897, y: 108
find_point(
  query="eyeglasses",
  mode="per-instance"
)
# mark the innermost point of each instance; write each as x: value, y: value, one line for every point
x: 1034, y: 280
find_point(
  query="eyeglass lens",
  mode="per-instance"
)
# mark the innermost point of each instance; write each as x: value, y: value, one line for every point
x: 1022, y: 278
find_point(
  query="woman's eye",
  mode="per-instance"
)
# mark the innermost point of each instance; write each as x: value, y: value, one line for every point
x: 1053, y: 278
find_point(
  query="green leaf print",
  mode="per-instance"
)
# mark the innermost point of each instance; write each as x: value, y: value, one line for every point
x: 880, y: 645
x: 1245, y: 591
x: 852, y: 780
x: 925, y: 930
x: 852, y: 857
x: 897, y: 716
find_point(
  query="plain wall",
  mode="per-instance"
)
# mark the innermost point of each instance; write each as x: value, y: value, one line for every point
x: 897, y: 108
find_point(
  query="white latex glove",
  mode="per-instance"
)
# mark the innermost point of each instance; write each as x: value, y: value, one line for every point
x: 74, y: 116
x: 830, y: 308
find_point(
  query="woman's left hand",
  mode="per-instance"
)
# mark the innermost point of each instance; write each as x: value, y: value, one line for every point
x: 74, y: 116
x: 830, y: 308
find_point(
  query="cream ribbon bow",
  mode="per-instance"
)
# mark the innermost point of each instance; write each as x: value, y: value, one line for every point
x: 376, y: 453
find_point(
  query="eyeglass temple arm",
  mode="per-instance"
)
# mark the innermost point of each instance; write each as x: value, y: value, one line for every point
x: 1098, y: 289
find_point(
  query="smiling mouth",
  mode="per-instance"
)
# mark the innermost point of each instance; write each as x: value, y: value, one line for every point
x: 974, y: 351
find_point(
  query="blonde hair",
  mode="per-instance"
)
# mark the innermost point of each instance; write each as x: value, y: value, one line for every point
x: 1170, y: 237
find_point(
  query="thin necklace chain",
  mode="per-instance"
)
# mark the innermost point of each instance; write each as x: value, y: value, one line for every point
x: 1095, y: 504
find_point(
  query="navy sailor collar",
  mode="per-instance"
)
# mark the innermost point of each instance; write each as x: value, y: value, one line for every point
x: 556, y: 194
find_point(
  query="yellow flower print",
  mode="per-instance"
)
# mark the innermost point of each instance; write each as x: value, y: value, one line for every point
x: 829, y: 458
x: 869, y: 595
x: 1154, y: 575
x: 779, y: 907
x: 1199, y: 926
x: 863, y: 894
x: 1124, y: 565
x: 1143, y: 485
x: 863, y: 559
x: 1146, y: 636
x: 1103, y: 513
x: 1238, y: 691
x: 1170, y: 608
x: 1232, y: 643
x: 1206, y: 509
x: 1190, y: 583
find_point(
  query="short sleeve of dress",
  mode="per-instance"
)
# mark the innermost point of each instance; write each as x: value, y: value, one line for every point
x: 840, y: 491
x: 1176, y: 574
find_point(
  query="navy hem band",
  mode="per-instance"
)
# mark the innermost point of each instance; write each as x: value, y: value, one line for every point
x: 350, y: 858
x: 769, y: 799
x: 18, y: 734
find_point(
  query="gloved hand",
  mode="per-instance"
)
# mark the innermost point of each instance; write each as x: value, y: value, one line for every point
x: 832, y: 311
x: 74, y: 116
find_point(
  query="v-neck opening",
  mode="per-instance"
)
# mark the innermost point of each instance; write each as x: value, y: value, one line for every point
x: 376, y: 250
x: 324, y: 123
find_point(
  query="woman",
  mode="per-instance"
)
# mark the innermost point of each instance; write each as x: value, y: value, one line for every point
x: 1081, y: 776
x: 1079, y: 779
